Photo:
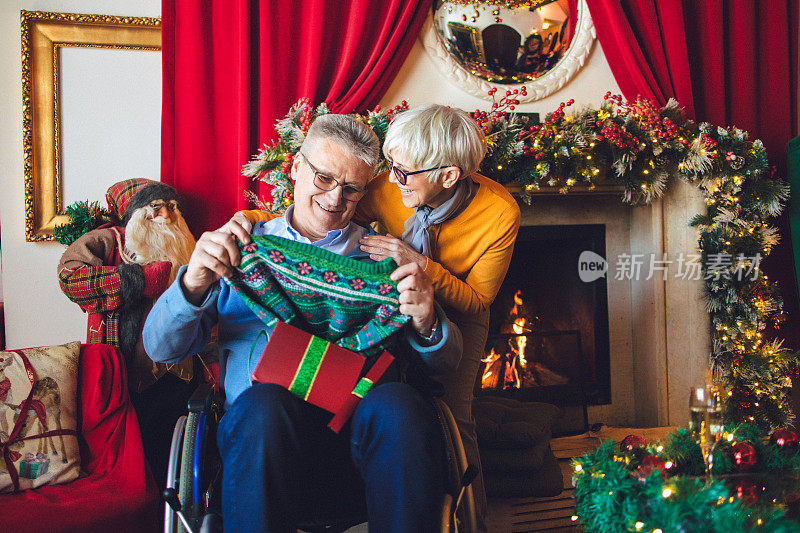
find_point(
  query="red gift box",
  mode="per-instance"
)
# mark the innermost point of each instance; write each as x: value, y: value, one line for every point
x: 318, y: 371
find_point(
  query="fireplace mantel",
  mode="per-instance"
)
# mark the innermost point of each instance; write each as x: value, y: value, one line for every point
x: 659, y: 329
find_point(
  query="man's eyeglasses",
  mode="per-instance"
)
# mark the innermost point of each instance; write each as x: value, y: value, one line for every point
x: 156, y: 206
x: 402, y: 175
x: 351, y: 193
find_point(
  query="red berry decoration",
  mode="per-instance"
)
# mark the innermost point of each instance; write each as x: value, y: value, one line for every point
x: 651, y: 463
x: 630, y: 442
x: 784, y: 438
x: 744, y: 456
x: 747, y: 491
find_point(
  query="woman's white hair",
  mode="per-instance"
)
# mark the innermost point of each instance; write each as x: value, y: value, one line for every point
x: 435, y: 135
x: 355, y: 137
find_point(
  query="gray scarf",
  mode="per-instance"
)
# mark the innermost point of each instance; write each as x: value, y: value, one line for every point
x: 416, y: 227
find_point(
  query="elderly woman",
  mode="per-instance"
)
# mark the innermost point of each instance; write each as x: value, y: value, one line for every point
x: 459, y: 226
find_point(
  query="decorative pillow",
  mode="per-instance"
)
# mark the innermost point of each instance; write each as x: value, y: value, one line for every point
x: 38, y: 422
x: 515, y: 460
x: 507, y: 423
x: 548, y: 481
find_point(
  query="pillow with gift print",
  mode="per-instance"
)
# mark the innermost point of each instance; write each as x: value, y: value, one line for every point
x: 38, y: 422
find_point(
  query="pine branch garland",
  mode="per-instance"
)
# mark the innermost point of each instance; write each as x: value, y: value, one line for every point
x: 615, y: 492
x: 83, y: 218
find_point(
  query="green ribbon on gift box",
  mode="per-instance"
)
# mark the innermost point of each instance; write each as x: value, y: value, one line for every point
x: 309, y: 367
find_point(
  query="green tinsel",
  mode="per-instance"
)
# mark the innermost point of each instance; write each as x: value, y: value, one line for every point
x: 83, y: 217
x: 612, y: 493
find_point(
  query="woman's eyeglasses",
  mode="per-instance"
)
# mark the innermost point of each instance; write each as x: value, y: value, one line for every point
x: 351, y: 193
x: 402, y: 175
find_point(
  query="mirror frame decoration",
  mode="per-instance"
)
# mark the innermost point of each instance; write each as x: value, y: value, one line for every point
x: 43, y: 36
x: 547, y: 84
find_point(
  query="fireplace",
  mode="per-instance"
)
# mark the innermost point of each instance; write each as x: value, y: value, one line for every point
x: 658, y: 330
x: 548, y: 330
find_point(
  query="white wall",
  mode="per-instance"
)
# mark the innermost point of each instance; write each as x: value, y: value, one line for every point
x: 36, y: 311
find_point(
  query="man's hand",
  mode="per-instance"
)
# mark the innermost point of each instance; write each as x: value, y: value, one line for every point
x: 379, y: 247
x: 215, y: 256
x: 240, y: 226
x: 416, y: 297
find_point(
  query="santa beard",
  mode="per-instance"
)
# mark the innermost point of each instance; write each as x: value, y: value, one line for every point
x: 156, y: 239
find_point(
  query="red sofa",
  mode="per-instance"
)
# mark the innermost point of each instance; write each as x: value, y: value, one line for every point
x: 118, y: 493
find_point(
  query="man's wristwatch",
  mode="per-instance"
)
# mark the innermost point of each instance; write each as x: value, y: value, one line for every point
x: 434, y: 329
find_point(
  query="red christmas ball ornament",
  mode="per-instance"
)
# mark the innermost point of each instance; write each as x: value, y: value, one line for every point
x: 630, y: 442
x: 747, y: 491
x: 744, y: 456
x: 785, y: 438
x: 650, y: 463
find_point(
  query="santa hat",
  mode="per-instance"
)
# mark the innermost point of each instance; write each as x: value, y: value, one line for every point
x: 127, y: 196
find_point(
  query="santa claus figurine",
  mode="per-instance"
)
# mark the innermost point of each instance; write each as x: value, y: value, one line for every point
x: 114, y: 273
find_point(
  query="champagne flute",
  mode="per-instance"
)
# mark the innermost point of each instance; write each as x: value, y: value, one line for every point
x: 705, y: 422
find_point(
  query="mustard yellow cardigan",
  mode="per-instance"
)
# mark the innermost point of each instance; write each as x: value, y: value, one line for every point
x: 471, y: 252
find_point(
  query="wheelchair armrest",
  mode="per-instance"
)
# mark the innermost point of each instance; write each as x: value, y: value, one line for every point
x: 204, y: 398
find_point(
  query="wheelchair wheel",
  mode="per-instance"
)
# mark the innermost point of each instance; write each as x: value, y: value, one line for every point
x: 172, y: 471
x: 186, y: 486
x: 458, y: 510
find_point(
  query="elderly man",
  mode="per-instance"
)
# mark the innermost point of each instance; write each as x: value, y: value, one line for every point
x: 114, y: 273
x: 280, y: 462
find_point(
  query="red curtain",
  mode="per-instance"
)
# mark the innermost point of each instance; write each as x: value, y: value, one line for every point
x: 728, y: 62
x: 231, y: 68
x: 645, y: 45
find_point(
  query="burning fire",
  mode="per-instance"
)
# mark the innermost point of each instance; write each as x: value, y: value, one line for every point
x: 511, y: 369
x: 516, y: 359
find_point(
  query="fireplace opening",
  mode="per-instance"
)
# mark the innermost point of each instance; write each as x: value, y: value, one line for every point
x: 548, y: 329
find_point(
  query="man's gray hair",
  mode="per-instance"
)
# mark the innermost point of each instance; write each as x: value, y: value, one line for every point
x: 352, y: 135
x: 435, y: 135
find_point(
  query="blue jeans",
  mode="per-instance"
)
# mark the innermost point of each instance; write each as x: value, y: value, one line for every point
x: 283, y: 466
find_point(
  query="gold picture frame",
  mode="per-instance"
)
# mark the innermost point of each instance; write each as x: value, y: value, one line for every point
x: 43, y: 36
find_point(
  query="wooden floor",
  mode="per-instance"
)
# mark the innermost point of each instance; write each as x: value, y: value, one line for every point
x: 519, y: 515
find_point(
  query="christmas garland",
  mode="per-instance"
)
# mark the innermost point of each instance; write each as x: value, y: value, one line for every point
x: 640, y: 147
x: 656, y: 488
x: 83, y: 218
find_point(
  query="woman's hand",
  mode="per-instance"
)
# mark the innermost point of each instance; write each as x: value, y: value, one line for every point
x: 416, y: 297
x: 379, y: 247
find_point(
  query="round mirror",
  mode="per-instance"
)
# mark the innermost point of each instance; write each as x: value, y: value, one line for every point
x: 505, y: 44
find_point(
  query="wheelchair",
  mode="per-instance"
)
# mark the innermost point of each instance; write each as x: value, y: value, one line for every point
x: 194, y: 474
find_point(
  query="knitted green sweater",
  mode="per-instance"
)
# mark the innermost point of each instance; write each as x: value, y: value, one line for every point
x: 349, y: 302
